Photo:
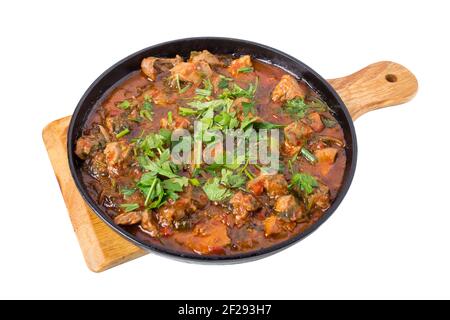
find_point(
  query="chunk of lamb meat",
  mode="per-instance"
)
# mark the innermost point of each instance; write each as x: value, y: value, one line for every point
x: 320, y: 197
x: 148, y: 226
x: 151, y: 66
x: 287, y: 89
x: 88, y: 144
x: 97, y: 166
x: 288, y: 208
x: 204, y: 69
x: 296, y: 134
x: 256, y: 186
x: 315, y: 121
x: 116, y: 153
x: 186, y: 71
x: 275, y: 185
x: 178, y: 122
x: 243, y: 204
x: 115, y: 124
x: 128, y: 218
x: 205, y: 56
x: 189, y: 201
x: 85, y: 145
x: 242, y: 62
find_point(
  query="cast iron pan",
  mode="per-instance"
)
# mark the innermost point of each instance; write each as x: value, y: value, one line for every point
x: 376, y: 86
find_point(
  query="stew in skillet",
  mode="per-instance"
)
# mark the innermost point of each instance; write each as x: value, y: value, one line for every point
x: 232, y: 203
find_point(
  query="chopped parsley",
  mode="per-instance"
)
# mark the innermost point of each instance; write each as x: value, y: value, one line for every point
x: 245, y: 70
x: 308, y: 155
x: 304, y: 182
x: 248, y: 107
x: 223, y: 82
x: 328, y: 122
x: 146, y: 109
x: 127, y: 191
x: 216, y: 191
x: 125, y: 104
x: 206, y: 91
x: 128, y: 207
x: 231, y: 180
x: 123, y: 133
x: 238, y: 92
x: 298, y: 108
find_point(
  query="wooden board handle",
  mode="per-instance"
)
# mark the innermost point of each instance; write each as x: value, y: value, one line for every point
x: 378, y: 85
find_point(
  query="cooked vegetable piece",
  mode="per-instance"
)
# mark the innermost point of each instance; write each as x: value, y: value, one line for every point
x: 326, y: 155
x: 272, y: 226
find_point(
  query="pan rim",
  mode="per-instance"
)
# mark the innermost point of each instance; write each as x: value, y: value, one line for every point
x: 193, y: 257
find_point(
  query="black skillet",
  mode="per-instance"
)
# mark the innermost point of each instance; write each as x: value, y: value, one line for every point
x: 379, y: 85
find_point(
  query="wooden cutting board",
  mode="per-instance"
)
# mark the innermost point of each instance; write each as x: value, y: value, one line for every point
x: 102, y: 247
x: 377, y: 86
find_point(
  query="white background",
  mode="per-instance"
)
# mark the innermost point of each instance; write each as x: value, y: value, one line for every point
x: 390, y: 238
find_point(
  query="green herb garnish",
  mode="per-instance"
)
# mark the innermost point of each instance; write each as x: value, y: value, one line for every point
x: 186, y: 88
x: 186, y: 112
x: 157, y: 191
x: 206, y: 91
x: 147, y: 105
x: 215, y: 191
x: 329, y: 123
x: 245, y: 70
x: 122, y: 133
x: 213, y: 104
x: 267, y: 125
x: 125, y: 104
x: 304, y: 182
x: 146, y: 109
x: 128, y: 207
x: 296, y: 108
x: 146, y: 114
x: 151, y: 143
x: 195, y: 182
x: 162, y: 166
x: 248, y: 107
x: 223, y: 82
x: 127, y: 191
x: 308, y: 155
x: 166, y: 135
x: 238, y: 92
x: 247, y: 122
x: 231, y: 180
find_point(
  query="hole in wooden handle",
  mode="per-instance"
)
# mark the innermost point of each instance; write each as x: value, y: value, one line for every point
x: 391, y: 77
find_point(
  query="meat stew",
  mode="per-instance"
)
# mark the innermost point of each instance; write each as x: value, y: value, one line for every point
x: 211, y: 208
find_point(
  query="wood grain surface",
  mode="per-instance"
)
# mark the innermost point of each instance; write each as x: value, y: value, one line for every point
x: 102, y: 247
x: 377, y: 86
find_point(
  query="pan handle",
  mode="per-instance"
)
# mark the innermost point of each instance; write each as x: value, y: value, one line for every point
x: 378, y: 85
